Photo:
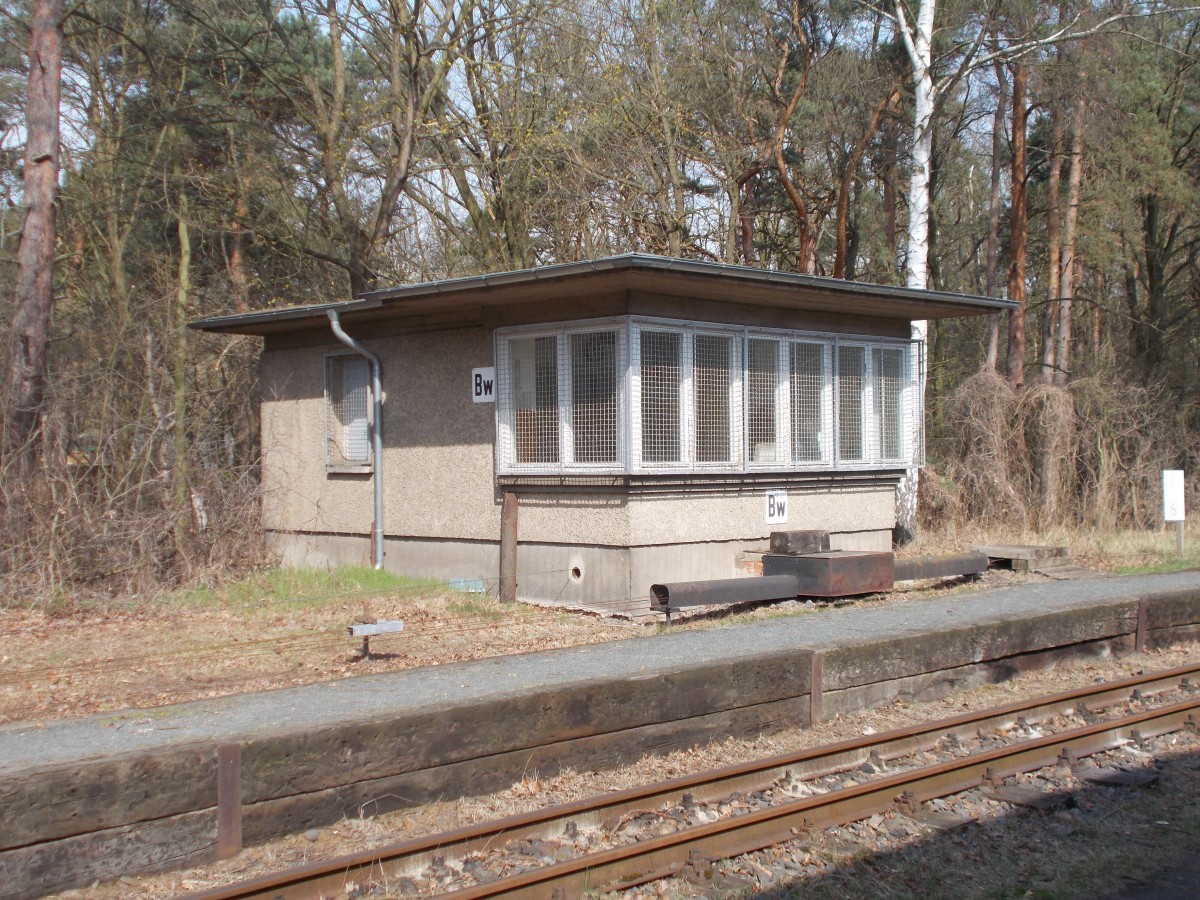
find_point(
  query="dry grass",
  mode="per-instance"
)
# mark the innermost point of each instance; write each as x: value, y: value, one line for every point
x: 1085, y: 456
x: 1111, y: 551
x: 211, y: 643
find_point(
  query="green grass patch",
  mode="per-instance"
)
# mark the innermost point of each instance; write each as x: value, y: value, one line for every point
x: 302, y: 587
x: 1162, y: 567
x: 479, y: 606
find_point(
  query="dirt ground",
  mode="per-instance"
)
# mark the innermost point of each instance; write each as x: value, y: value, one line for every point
x: 171, y: 651
x: 280, y: 628
x: 62, y: 666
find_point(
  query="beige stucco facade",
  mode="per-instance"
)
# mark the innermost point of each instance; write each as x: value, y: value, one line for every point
x: 598, y: 535
x: 599, y: 544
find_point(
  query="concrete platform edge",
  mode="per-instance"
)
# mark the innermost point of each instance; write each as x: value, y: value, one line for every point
x: 152, y: 810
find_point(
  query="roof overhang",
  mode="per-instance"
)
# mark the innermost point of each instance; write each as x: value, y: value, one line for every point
x: 737, y: 285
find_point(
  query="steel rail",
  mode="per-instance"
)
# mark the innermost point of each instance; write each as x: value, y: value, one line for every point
x: 660, y: 857
x: 407, y: 857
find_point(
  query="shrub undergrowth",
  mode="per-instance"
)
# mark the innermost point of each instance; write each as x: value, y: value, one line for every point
x: 1088, y: 456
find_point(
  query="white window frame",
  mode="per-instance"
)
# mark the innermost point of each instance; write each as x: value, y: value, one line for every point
x: 506, y: 461
x: 914, y: 404
x: 866, y: 405
x: 629, y: 330
x: 903, y: 425
x: 688, y: 429
x: 782, y: 401
x: 347, y: 466
x: 827, y: 434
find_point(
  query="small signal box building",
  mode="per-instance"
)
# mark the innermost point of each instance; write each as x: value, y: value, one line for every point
x: 615, y: 423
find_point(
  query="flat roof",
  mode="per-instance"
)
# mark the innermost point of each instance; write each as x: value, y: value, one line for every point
x: 696, y: 279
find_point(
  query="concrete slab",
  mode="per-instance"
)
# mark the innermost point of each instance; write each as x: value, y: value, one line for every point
x: 1027, y: 557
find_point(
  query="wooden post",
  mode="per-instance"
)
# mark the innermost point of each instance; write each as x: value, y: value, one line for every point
x: 1179, y: 537
x: 816, y: 688
x: 508, y: 548
x: 229, y: 800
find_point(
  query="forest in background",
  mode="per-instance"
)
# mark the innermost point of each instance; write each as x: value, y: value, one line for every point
x: 220, y: 157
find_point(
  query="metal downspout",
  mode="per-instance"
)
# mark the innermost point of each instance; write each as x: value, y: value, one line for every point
x: 376, y: 427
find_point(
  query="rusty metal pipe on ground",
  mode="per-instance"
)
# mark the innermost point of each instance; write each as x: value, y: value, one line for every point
x: 722, y: 591
x: 957, y: 565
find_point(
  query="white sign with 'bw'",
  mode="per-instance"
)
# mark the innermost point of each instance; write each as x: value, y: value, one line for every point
x: 777, y: 507
x: 483, y: 385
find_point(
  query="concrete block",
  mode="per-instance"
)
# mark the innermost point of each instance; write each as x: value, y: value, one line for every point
x: 799, y: 541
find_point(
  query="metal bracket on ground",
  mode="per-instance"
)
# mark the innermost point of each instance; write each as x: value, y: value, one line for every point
x: 368, y: 630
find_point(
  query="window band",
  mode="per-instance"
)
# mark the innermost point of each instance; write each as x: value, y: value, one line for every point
x: 633, y: 395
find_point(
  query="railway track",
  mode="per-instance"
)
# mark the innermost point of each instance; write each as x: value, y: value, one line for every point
x: 1008, y: 738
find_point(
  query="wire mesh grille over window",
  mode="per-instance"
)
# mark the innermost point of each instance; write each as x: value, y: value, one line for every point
x: 347, y: 392
x: 534, y: 370
x: 661, y: 371
x: 889, y: 400
x: 762, y: 386
x: 852, y: 376
x: 711, y: 376
x: 636, y: 394
x: 808, y: 390
x: 594, y: 396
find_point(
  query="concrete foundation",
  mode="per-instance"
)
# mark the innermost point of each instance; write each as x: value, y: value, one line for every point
x: 608, y: 579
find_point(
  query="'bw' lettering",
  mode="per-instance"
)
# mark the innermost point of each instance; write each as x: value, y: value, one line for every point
x: 483, y: 387
x: 777, y: 506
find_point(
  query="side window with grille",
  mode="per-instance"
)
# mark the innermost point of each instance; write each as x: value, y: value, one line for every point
x: 534, y: 381
x: 651, y: 395
x: 713, y: 361
x: 852, y: 381
x: 889, y: 383
x: 809, y: 388
x: 559, y: 400
x: 661, y: 377
x: 594, y: 401
x: 347, y: 400
x: 762, y: 401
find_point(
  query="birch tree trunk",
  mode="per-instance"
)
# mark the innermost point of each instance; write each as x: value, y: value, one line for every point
x: 1053, y: 246
x: 918, y: 40
x: 1017, y: 235
x: 1067, y: 288
x: 993, y: 235
x: 29, y: 334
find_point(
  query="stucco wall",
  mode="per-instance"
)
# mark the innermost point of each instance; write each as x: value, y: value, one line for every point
x: 692, y: 516
x: 439, y: 466
x: 440, y: 487
x: 437, y: 458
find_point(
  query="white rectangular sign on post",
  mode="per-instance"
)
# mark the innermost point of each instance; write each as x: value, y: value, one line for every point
x: 777, y: 507
x: 1173, y: 495
x: 483, y: 385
